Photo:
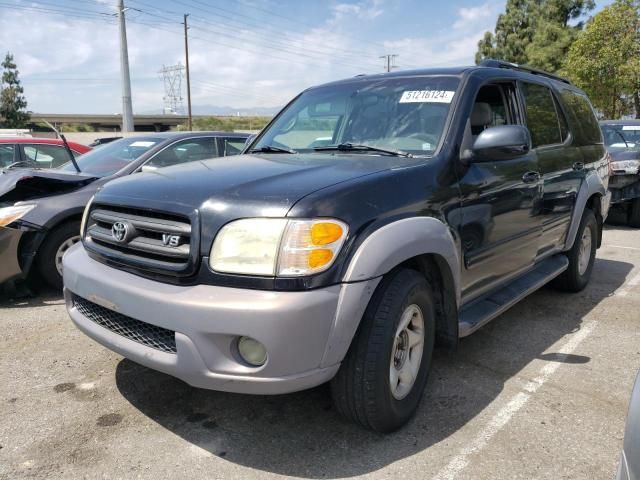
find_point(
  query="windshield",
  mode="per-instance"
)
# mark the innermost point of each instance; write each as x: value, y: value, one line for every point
x: 621, y: 137
x: 400, y: 114
x: 108, y: 159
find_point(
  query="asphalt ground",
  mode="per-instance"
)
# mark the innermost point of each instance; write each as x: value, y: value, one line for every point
x: 540, y: 392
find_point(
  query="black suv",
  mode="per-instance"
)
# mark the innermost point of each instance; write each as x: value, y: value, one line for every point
x: 372, y: 218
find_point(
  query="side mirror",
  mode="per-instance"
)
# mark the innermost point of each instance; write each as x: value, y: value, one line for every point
x: 148, y: 168
x: 503, y: 142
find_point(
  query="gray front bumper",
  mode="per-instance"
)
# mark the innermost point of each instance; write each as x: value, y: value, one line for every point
x: 306, y: 333
x: 9, y: 264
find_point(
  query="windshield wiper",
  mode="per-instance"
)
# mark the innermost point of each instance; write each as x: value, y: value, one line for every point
x: 626, y: 144
x: 352, y: 147
x: 271, y: 149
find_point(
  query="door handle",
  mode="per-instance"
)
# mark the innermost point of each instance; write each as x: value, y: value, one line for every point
x: 531, y: 177
x: 578, y: 166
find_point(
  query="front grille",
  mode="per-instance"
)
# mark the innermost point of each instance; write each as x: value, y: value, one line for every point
x: 140, y: 237
x: 127, y: 327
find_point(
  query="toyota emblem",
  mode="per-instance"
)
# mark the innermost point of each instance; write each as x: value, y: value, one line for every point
x: 119, y: 231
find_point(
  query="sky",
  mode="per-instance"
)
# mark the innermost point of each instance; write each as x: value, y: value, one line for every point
x: 244, y: 54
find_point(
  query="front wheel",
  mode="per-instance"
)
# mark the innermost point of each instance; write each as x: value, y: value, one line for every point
x: 53, y: 249
x: 382, y: 378
x: 581, y: 256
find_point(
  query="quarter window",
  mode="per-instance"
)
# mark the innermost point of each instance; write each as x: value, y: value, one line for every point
x: 582, y: 118
x: 233, y: 145
x: 542, y: 117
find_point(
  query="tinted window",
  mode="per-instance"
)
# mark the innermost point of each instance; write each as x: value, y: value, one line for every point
x: 46, y: 156
x: 6, y: 155
x: 185, y: 151
x: 581, y: 117
x: 542, y: 118
x: 233, y: 146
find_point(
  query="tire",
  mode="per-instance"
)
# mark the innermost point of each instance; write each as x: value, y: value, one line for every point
x: 634, y: 213
x: 362, y: 388
x: 576, y: 277
x: 54, y: 245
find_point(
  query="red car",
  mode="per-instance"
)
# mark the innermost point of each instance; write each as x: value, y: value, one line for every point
x: 38, y: 152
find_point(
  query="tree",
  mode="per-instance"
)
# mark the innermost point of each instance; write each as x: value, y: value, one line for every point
x: 605, y: 59
x: 12, y: 102
x: 535, y: 32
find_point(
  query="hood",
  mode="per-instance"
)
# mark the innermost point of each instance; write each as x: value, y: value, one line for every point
x: 268, y: 180
x: 224, y: 189
x: 17, y: 185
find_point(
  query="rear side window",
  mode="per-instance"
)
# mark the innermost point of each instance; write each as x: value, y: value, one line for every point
x: 582, y: 118
x: 542, y: 117
x: 46, y: 156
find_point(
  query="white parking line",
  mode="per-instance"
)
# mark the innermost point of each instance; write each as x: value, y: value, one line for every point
x: 622, y: 246
x: 627, y: 287
x: 506, y: 413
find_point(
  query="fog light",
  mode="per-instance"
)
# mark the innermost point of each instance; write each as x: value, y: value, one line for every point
x: 252, y: 351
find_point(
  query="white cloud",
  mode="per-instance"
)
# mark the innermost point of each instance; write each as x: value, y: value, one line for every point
x: 368, y: 9
x: 53, y: 52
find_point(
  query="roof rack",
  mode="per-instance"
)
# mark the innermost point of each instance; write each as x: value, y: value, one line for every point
x: 490, y: 62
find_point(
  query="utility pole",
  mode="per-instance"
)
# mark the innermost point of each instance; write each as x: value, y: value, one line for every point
x: 389, y: 61
x: 186, y: 54
x: 127, y: 109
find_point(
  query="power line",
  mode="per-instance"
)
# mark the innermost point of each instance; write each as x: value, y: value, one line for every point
x: 299, y: 52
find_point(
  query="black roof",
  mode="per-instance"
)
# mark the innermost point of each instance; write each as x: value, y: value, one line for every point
x: 497, y: 66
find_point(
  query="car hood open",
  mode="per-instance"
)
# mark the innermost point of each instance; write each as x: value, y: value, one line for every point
x: 17, y: 185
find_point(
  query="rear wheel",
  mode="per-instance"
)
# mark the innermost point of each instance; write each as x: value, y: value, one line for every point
x: 52, y: 250
x: 581, y: 256
x: 634, y: 213
x: 382, y: 378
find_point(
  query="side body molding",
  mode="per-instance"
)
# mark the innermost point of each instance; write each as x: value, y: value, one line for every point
x: 592, y: 184
x: 384, y: 249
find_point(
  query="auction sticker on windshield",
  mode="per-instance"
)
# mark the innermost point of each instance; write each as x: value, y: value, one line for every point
x: 427, y: 96
x: 141, y: 143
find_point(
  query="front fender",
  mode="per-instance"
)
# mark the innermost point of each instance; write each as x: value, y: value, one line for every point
x: 384, y: 249
x: 401, y: 240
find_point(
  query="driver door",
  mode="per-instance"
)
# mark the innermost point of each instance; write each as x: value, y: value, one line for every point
x: 499, y: 219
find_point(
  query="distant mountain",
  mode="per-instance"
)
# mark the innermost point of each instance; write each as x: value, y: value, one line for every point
x: 227, y: 111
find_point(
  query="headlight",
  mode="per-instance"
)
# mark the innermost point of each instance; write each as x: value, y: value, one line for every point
x: 11, y: 214
x: 277, y: 246
x: 85, y: 214
x: 624, y: 164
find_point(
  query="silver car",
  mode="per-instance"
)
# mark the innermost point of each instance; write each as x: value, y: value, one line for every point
x: 629, y: 468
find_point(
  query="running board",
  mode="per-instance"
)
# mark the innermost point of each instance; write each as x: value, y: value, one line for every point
x: 482, y: 311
